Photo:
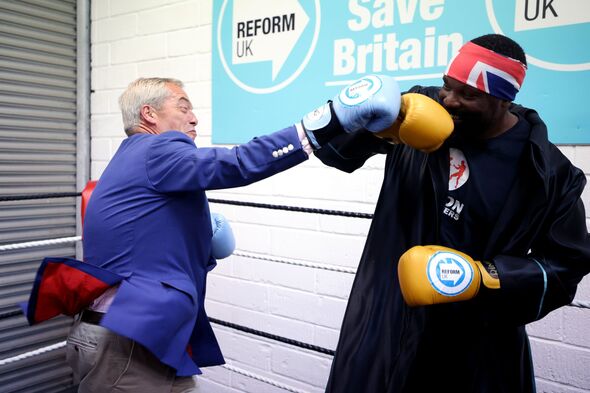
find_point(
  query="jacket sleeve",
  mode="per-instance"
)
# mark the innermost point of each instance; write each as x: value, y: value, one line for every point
x: 547, y: 278
x: 175, y: 164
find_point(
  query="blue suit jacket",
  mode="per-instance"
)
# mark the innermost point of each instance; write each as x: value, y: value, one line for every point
x: 148, y: 222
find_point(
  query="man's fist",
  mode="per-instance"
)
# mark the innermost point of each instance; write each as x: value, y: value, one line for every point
x: 223, y: 242
x: 371, y: 103
x: 422, y: 124
x: 436, y: 274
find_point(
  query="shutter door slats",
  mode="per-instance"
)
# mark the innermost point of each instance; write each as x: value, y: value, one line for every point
x: 37, y: 155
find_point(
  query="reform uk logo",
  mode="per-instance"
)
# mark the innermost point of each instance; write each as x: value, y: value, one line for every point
x: 264, y: 45
x: 537, y: 24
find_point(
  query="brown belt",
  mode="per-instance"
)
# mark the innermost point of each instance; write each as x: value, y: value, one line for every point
x: 92, y: 317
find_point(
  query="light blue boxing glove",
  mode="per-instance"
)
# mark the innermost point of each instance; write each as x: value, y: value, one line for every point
x: 223, y: 242
x: 370, y: 103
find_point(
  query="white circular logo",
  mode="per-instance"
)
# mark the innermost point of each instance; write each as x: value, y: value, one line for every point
x: 449, y: 273
x: 253, y: 27
x: 359, y: 91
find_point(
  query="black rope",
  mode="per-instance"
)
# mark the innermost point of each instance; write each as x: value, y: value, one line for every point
x: 299, y: 344
x: 273, y: 337
x: 293, y: 208
x: 6, y: 198
x: 10, y: 314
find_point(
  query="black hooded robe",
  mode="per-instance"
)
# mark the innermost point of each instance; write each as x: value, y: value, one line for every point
x: 540, y: 245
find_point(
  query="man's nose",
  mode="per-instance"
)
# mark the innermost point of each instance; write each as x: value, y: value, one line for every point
x: 194, y: 121
x: 450, y: 100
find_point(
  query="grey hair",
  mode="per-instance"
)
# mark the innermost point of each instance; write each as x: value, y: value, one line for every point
x: 143, y: 91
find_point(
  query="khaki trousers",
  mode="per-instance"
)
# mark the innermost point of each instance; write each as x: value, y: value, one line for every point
x: 103, y: 362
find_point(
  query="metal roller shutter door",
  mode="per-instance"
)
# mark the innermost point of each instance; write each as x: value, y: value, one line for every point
x: 37, y: 155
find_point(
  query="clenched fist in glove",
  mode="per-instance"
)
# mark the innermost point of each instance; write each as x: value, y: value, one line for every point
x: 436, y: 274
x: 371, y: 103
x: 223, y: 242
x: 422, y: 123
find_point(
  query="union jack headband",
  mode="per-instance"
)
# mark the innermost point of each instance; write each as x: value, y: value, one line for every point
x: 488, y: 71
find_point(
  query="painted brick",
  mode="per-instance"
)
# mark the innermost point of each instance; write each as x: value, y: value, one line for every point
x: 238, y: 293
x: 121, y: 75
x: 182, y: 68
x: 307, y: 307
x: 331, y: 249
x: 106, y: 126
x: 544, y: 386
x: 273, y: 324
x: 205, y: 16
x: 99, y: 9
x: 122, y: 7
x: 335, y: 284
x: 583, y: 293
x: 196, y: 92
x: 289, y: 276
x: 203, y: 68
x: 582, y: 159
x: 561, y: 363
x: 575, y: 326
x: 100, y: 149
x: 207, y: 384
x: 300, y: 366
x: 326, y: 337
x: 240, y: 347
x: 255, y: 238
x: 183, y: 42
x: 550, y: 327
x: 97, y: 168
x: 569, y: 151
x: 99, y: 102
x: 217, y: 374
x: 134, y: 49
x: 116, y: 28
x: 169, y: 18
x: 100, y: 55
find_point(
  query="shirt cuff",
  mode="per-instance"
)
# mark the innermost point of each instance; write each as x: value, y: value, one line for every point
x: 303, y: 139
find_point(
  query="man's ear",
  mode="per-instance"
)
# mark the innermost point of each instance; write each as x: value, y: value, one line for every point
x: 148, y: 114
x: 506, y: 104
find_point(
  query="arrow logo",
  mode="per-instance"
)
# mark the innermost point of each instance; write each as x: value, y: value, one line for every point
x: 266, y: 31
x: 450, y: 271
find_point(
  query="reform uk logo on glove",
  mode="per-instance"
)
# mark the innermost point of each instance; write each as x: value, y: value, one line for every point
x: 449, y: 273
x: 360, y: 91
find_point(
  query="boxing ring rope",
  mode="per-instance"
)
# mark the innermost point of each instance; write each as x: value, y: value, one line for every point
x: 73, y: 239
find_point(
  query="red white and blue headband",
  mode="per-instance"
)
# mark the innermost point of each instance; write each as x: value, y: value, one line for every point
x: 488, y: 71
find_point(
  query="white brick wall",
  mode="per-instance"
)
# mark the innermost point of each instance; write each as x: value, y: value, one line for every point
x: 135, y: 38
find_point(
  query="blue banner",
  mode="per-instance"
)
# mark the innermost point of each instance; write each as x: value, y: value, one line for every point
x: 275, y: 60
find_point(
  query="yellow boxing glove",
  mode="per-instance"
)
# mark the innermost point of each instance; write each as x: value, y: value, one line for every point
x: 436, y: 274
x: 422, y: 123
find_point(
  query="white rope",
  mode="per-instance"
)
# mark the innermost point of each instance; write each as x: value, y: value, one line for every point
x: 262, y: 379
x: 39, y: 243
x: 32, y: 353
x: 62, y: 344
x: 295, y: 262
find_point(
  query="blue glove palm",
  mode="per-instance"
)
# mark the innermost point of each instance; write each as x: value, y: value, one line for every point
x: 223, y: 242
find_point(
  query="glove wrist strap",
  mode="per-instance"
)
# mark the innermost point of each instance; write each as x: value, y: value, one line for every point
x: 489, y: 274
x: 321, y: 125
